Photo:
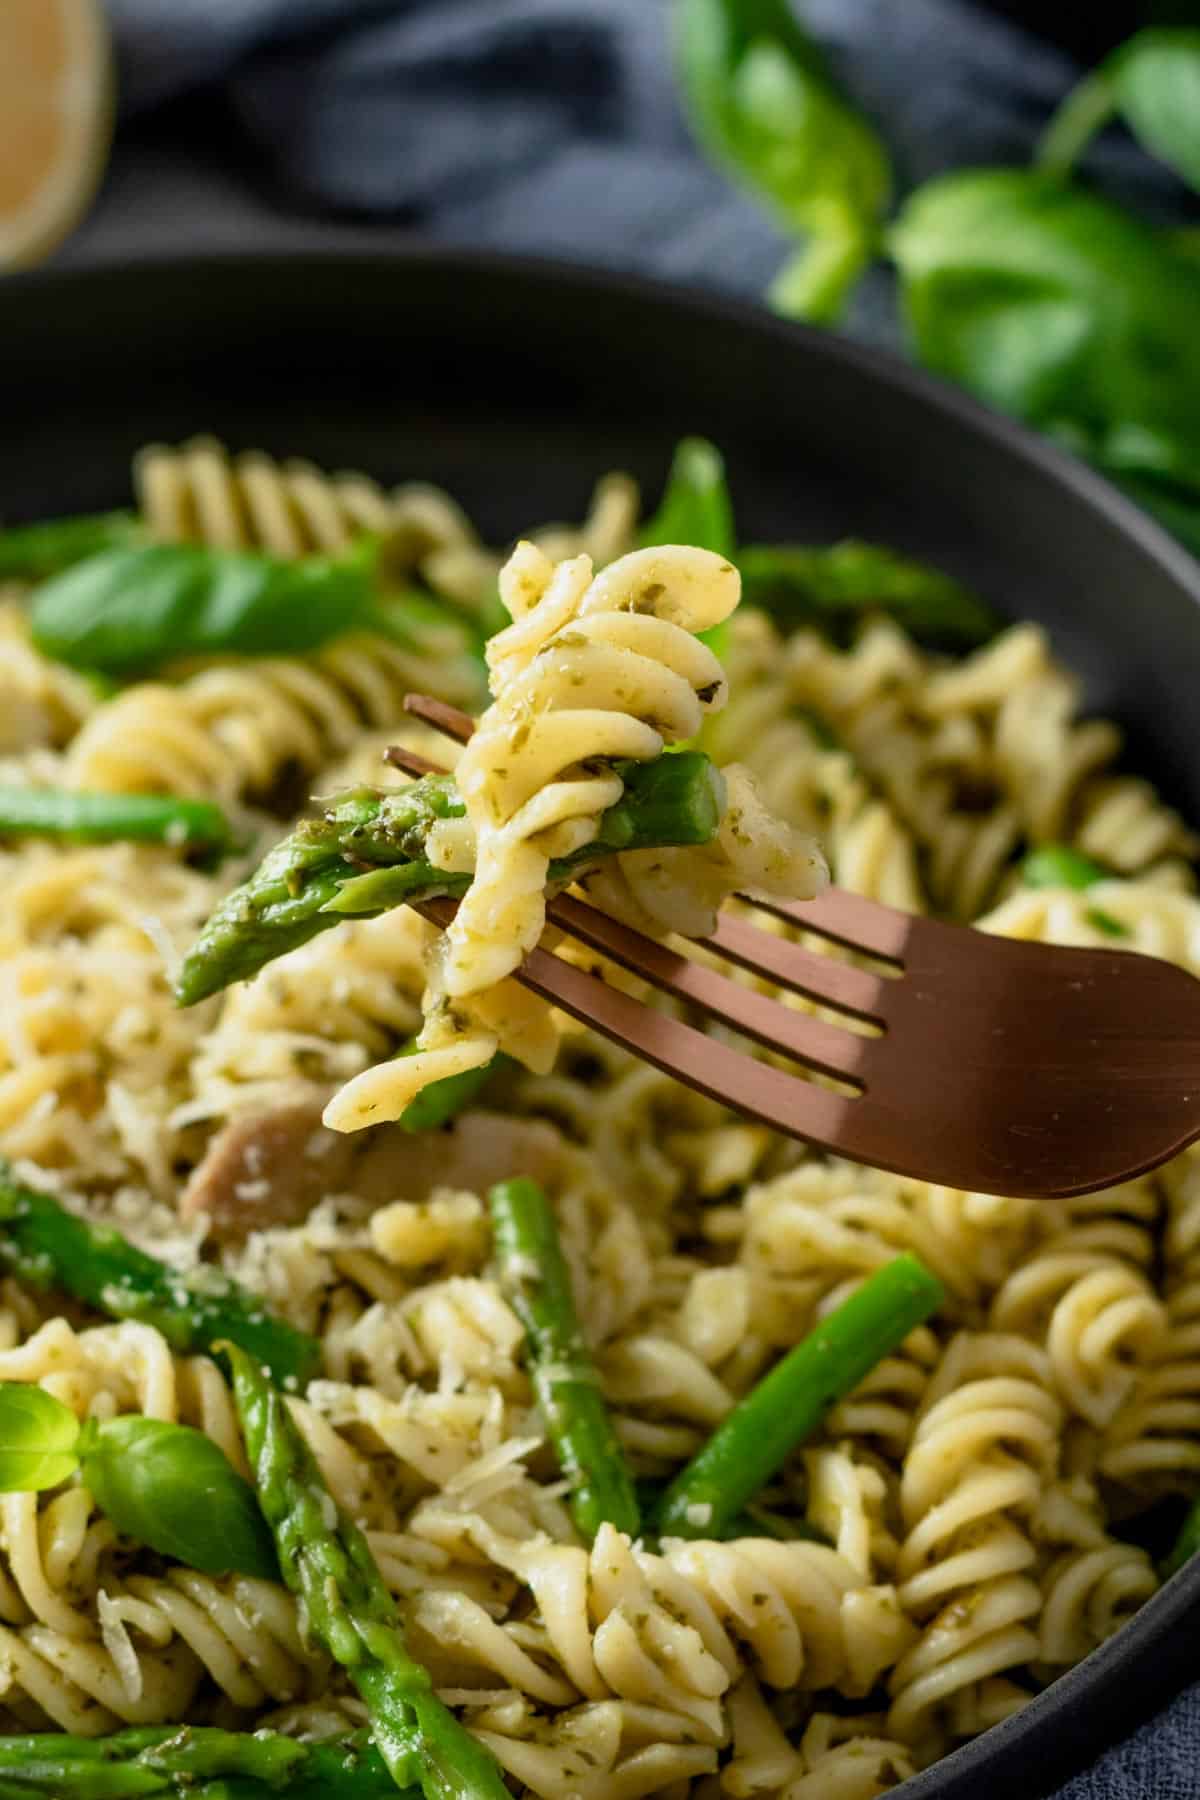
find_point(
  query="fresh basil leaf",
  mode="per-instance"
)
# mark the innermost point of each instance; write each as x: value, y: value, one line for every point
x: 1050, y: 303
x: 696, y: 508
x: 1156, y: 82
x: 37, y: 1439
x: 126, y: 611
x: 36, y: 551
x: 1153, y: 84
x: 834, y: 586
x: 1104, y: 921
x: 763, y: 104
x: 171, y: 1488
x: 1057, y: 865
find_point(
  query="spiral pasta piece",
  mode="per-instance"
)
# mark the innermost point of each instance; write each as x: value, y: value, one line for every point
x: 984, y: 1449
x: 590, y: 670
x: 1099, y: 1318
x: 1153, y: 1442
x: 42, y: 702
x: 231, y: 730
x: 199, y: 493
x: 1089, y: 1594
x: 848, y: 1759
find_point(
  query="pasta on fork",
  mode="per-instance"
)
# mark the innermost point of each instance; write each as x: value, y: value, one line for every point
x: 595, y: 672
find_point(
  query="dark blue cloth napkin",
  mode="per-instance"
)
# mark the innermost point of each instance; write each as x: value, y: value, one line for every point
x: 550, y: 126
x: 538, y: 125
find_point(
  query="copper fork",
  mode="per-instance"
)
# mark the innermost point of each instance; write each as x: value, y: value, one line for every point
x: 996, y: 1066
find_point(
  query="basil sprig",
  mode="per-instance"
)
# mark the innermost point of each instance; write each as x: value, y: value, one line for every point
x: 765, y: 106
x: 164, y: 1485
x: 1038, y: 295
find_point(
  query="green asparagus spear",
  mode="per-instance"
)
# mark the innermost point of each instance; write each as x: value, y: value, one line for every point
x: 44, y: 1244
x: 37, y: 551
x: 327, y: 1563
x: 788, y: 1404
x: 833, y: 586
x: 365, y: 854
x: 106, y: 818
x: 537, y: 1285
x: 753, y: 1521
x: 443, y: 1100
x: 180, y: 1762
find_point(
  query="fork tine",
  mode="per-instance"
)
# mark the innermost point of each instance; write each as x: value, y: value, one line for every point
x: 803, y: 971
x: 847, y: 919
x: 447, y: 719
x: 851, y: 990
x: 827, y: 1048
x: 410, y: 762
x: 729, y: 1076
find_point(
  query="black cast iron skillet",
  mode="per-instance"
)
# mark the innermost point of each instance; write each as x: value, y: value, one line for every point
x: 516, y: 383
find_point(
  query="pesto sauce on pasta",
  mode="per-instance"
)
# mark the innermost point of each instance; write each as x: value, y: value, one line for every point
x: 964, y: 1489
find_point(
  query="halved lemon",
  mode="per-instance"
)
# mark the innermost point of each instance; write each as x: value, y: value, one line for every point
x: 55, y: 120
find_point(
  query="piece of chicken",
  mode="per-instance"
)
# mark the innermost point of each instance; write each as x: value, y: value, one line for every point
x: 272, y: 1167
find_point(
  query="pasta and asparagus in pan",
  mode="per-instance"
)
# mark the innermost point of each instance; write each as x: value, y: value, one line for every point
x: 403, y: 1389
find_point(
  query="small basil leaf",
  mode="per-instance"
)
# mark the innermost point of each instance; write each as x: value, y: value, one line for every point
x: 1057, y: 865
x: 37, y: 1439
x: 696, y: 508
x: 834, y: 586
x: 36, y: 551
x: 171, y: 1488
x: 1104, y: 921
x: 1155, y: 78
x: 1153, y: 83
x: 1050, y: 303
x: 764, y: 105
x: 125, y: 611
